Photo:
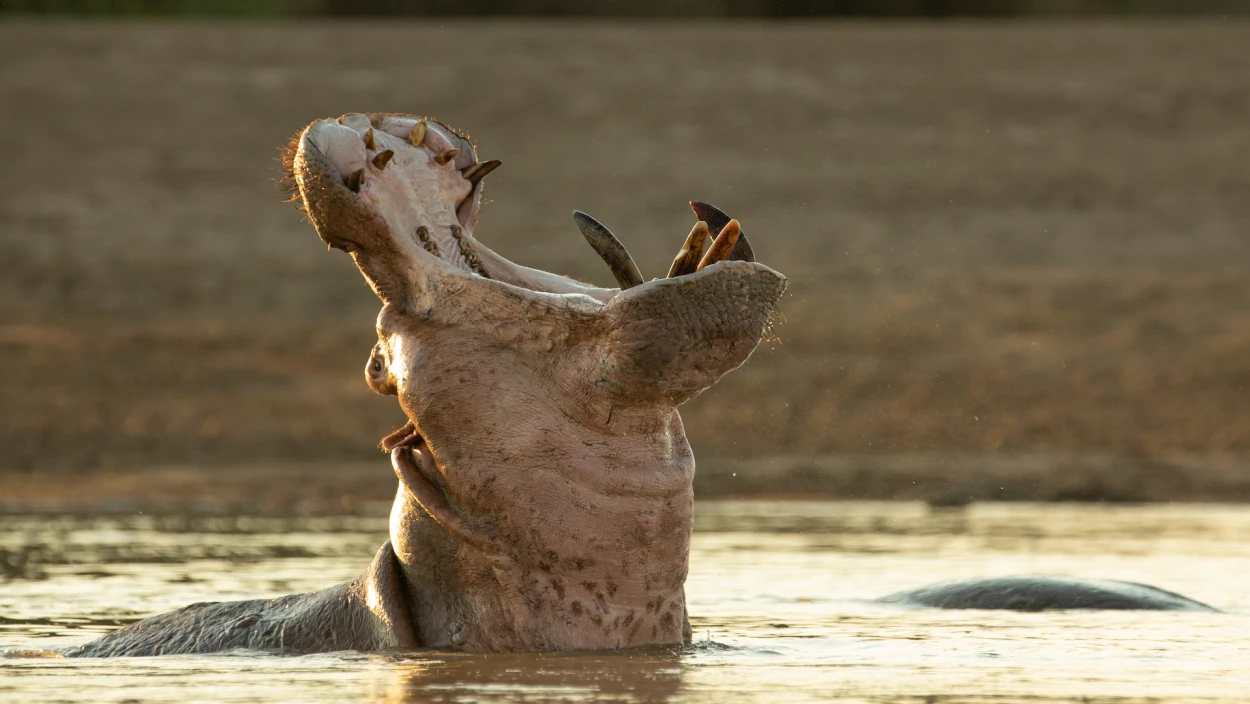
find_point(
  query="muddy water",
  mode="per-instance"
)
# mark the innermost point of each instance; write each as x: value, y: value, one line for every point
x: 779, y: 598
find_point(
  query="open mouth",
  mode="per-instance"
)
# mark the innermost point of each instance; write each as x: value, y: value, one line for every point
x: 424, y: 181
x: 421, y: 176
x: 401, y: 194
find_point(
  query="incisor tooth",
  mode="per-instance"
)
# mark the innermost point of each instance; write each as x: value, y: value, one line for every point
x: 354, y: 179
x: 369, y: 143
x: 382, y: 158
x: 417, y: 136
x: 688, y: 258
x: 722, y: 245
x: 446, y: 156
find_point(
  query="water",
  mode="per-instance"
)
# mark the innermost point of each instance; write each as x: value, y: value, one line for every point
x: 778, y: 596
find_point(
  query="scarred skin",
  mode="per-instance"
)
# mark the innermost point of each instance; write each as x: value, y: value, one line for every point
x: 545, y: 481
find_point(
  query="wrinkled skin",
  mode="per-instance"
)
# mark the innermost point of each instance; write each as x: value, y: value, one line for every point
x: 545, y: 481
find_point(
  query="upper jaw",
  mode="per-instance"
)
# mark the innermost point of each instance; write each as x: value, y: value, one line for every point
x: 416, y: 174
x: 402, y: 194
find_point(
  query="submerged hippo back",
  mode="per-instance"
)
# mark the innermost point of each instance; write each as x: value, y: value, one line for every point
x: 1040, y: 593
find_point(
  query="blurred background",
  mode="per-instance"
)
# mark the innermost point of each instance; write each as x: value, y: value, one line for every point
x: 1017, y: 234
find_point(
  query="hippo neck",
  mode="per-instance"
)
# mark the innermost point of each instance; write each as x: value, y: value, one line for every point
x: 594, y: 570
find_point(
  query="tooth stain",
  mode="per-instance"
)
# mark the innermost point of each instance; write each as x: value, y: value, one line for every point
x: 423, y: 234
x: 467, y: 252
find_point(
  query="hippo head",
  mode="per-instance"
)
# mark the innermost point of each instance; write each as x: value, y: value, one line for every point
x: 545, y: 498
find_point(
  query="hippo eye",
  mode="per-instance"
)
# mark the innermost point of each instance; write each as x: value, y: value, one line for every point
x: 377, y: 365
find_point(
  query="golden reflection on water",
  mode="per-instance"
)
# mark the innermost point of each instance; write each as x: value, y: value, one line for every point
x: 779, y: 596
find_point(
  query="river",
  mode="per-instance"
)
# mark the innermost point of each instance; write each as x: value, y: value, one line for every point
x: 779, y: 595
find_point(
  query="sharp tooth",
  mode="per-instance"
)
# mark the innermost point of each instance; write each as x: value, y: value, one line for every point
x: 716, y: 219
x: 446, y: 156
x: 369, y: 143
x: 722, y: 245
x: 382, y: 158
x: 354, y: 178
x: 623, y: 268
x: 477, y: 172
x: 417, y: 136
x: 688, y: 258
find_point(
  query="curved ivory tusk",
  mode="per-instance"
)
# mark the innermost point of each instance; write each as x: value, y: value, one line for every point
x: 610, y: 249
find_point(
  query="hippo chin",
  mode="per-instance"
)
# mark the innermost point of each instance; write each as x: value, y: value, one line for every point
x: 545, y: 481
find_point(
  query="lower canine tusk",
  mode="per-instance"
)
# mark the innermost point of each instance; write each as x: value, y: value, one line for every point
x: 688, y: 258
x: 722, y: 246
x: 623, y: 268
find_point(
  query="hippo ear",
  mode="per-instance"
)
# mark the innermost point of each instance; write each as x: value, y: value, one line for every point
x: 669, y: 340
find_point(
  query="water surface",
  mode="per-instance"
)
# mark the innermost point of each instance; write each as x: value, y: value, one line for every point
x: 779, y: 596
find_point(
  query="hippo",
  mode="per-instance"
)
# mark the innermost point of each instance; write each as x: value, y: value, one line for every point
x: 545, y: 498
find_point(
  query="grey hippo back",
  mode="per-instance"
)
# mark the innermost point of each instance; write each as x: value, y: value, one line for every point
x: 1041, y: 593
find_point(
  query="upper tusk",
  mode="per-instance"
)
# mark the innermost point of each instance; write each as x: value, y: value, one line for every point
x: 610, y: 249
x: 722, y: 245
x: 382, y: 158
x: 688, y: 258
x: 417, y: 136
x: 476, y: 172
x: 446, y: 156
x: 716, y: 220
